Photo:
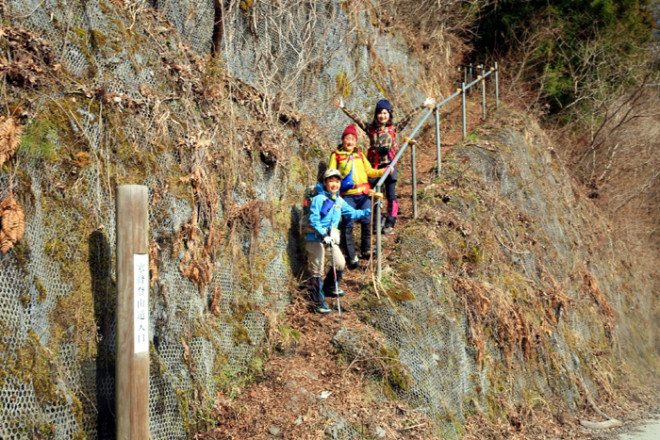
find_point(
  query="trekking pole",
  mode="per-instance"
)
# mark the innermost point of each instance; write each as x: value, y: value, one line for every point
x: 334, y: 274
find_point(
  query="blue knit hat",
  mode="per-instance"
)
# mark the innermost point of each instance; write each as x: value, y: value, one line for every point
x: 383, y: 104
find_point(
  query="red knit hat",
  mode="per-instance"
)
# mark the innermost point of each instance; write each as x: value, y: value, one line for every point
x: 350, y: 130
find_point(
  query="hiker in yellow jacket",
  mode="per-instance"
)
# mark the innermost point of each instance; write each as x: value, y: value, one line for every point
x: 356, y: 171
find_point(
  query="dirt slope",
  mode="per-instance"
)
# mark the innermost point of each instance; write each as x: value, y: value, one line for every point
x: 312, y: 377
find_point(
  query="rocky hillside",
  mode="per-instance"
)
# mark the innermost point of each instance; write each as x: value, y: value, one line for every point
x: 507, y: 301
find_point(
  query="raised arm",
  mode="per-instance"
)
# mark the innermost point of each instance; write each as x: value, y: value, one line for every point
x: 339, y: 103
x: 403, y: 123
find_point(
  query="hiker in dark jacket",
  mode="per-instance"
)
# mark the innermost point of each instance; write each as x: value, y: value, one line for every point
x: 355, y: 171
x: 325, y: 211
x: 383, y: 146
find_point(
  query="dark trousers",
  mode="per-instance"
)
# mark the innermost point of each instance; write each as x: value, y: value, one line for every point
x: 359, y: 201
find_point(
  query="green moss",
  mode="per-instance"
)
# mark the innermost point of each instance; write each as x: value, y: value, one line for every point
x: 240, y: 335
x: 74, y: 315
x: 343, y: 85
x: 34, y: 365
x: 474, y: 255
x: 41, y: 289
x: 82, y: 33
x: 399, y: 379
x: 37, y: 140
x: 396, y: 293
x: 24, y: 298
x: 22, y: 254
x: 77, y: 409
x: 98, y: 38
x: 46, y: 431
x: 289, y: 333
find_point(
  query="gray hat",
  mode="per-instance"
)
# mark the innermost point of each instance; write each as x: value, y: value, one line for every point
x: 331, y: 172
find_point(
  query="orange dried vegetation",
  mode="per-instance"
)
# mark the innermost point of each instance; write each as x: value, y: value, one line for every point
x: 154, y: 249
x: 487, y: 306
x: 31, y: 60
x: 197, y: 263
x: 592, y: 286
x: 10, y: 132
x: 12, y: 220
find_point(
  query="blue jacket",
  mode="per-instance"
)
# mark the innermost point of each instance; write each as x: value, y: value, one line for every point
x: 326, y: 212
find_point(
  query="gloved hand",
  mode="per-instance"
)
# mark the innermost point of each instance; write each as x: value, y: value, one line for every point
x: 367, y: 212
x: 327, y: 240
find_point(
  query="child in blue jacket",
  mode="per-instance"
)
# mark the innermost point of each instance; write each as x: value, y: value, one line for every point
x: 325, y: 212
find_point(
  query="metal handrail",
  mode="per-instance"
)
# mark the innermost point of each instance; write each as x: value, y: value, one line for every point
x: 409, y: 141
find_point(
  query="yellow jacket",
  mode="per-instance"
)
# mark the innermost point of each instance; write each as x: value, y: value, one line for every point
x: 343, y: 161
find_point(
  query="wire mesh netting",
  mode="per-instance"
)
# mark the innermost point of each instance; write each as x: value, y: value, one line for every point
x: 57, y: 288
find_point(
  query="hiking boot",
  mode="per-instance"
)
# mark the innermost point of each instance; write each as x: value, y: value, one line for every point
x: 353, y: 264
x: 322, y: 309
x: 332, y: 294
x: 368, y: 254
x: 331, y: 286
x: 365, y: 241
x: 387, y: 230
x: 316, y: 290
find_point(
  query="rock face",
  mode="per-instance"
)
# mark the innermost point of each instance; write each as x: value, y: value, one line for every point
x: 509, y: 270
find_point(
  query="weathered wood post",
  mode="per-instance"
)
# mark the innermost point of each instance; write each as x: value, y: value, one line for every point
x: 132, y: 367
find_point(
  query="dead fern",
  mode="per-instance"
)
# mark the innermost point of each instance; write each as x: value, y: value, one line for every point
x: 592, y: 287
x: 30, y: 58
x: 249, y: 215
x: 486, y: 306
x: 12, y: 221
x: 154, y: 249
x: 10, y: 132
x: 215, y: 303
x: 197, y: 263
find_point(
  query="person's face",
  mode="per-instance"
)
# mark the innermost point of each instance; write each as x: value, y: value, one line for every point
x: 383, y: 116
x: 349, y: 142
x: 332, y: 184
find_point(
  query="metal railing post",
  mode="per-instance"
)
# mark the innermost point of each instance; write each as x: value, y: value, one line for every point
x: 497, y: 88
x: 437, y: 139
x: 414, y: 179
x: 464, y: 110
x: 463, y: 90
x: 470, y: 75
x: 483, y: 92
x: 379, y: 267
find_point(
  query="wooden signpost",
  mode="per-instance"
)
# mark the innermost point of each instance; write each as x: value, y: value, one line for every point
x: 132, y: 367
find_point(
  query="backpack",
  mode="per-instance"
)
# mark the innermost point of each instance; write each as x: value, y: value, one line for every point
x: 373, y: 155
x: 350, y: 180
x: 308, y: 195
